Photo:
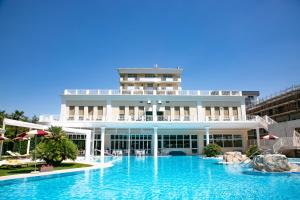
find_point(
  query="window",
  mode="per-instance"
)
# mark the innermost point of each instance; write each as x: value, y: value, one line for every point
x: 71, y: 112
x: 235, y: 113
x: 167, y: 112
x: 177, y: 113
x: 237, y: 141
x: 100, y: 112
x: 90, y: 112
x: 207, y: 111
x: 186, y: 113
x: 225, y: 140
x: 81, y: 112
x: 226, y: 113
x: 141, y: 113
x: 131, y: 112
x: 122, y: 113
x: 132, y: 75
x: 217, y: 113
x: 149, y: 75
x: 178, y: 141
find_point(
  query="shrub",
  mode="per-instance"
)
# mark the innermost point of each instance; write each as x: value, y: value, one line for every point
x: 252, y: 151
x: 55, y: 148
x: 212, y: 150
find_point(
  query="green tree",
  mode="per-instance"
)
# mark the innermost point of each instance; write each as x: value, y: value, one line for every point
x: 34, y: 119
x: 253, y: 151
x: 56, y: 147
x: 212, y: 150
x: 3, y: 115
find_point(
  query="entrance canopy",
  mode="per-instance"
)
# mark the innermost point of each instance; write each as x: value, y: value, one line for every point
x: 29, y: 125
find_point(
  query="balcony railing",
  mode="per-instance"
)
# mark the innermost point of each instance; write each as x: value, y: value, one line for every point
x: 153, y: 92
x: 150, y: 79
x: 145, y: 118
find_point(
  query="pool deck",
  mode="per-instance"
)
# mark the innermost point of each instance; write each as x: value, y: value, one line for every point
x: 95, y: 165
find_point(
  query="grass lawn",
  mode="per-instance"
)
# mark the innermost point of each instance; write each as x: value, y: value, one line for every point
x: 4, y: 171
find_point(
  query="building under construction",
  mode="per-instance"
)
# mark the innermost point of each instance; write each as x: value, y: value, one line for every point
x: 284, y: 108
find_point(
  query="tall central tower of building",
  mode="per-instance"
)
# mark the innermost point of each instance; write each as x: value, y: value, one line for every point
x: 150, y: 79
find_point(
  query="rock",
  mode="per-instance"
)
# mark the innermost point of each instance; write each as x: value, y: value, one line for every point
x: 271, y: 163
x: 294, y: 167
x: 234, y: 157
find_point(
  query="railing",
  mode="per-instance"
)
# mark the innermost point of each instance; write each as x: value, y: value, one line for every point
x: 48, y: 118
x: 286, y: 142
x: 282, y: 92
x: 152, y: 92
x: 269, y: 120
x: 219, y: 118
x: 150, y: 79
x: 262, y: 122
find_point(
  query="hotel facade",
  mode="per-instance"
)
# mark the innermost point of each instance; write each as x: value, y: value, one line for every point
x: 151, y: 112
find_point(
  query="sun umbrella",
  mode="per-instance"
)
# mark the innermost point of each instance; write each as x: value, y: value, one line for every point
x: 19, y: 138
x: 270, y: 137
x: 3, y: 138
x: 36, y: 133
x: 33, y: 133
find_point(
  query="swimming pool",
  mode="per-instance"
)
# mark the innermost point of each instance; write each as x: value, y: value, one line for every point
x: 181, y: 177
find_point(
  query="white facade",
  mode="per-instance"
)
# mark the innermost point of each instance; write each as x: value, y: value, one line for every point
x: 151, y: 112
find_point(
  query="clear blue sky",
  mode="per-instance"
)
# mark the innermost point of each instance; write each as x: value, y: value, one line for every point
x: 47, y: 46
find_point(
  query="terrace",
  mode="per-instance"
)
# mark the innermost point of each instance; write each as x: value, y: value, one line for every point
x: 153, y: 92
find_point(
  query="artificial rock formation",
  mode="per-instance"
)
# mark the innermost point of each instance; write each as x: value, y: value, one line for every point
x: 234, y: 157
x: 271, y: 163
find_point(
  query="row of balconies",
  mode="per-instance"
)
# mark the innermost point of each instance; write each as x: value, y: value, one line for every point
x: 149, y: 79
x: 152, y: 92
x: 152, y: 118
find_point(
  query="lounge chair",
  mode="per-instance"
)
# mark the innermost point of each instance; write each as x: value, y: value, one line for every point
x: 16, y: 154
x: 11, y: 153
x: 14, y: 163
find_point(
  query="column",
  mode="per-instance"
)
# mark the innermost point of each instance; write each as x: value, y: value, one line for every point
x: 88, y: 146
x: 243, y: 111
x: 230, y: 113
x: 212, y: 110
x: 85, y: 113
x: 154, y: 114
x: 181, y: 111
x: 128, y: 146
x: 63, y: 113
x: 127, y: 113
x: 136, y: 112
x: 257, y: 137
x: 2, y: 134
x: 28, y: 146
x: 95, y: 112
x: 207, y: 135
x: 93, y: 142
x: 76, y: 114
x: 199, y: 111
x: 155, y: 139
x: 102, y: 143
x: 200, y: 142
x: 108, y: 110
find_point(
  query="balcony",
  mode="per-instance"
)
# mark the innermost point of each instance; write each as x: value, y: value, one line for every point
x: 150, y: 79
x: 153, y: 92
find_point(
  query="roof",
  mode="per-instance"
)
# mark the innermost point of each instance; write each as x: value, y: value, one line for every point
x: 152, y: 70
x: 250, y: 93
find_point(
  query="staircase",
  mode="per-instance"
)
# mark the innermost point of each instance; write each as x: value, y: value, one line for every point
x: 289, y: 138
x: 291, y: 143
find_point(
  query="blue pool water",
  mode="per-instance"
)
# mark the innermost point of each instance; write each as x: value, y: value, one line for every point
x: 180, y: 177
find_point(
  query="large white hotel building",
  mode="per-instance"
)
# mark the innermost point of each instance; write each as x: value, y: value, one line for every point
x: 151, y: 112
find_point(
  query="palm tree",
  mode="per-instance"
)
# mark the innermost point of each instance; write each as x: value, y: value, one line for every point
x: 18, y: 115
x: 3, y: 115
